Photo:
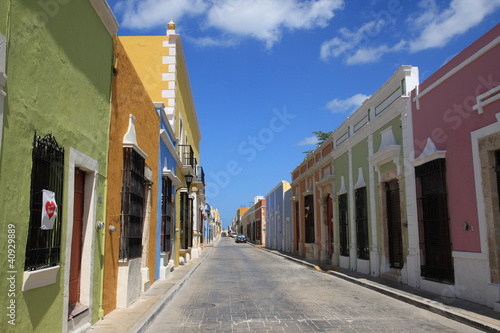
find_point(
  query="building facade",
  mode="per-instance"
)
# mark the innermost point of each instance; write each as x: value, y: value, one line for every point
x: 54, y: 157
x: 130, y: 247
x: 454, y: 147
x: 278, y: 218
x: 160, y: 63
x: 348, y: 195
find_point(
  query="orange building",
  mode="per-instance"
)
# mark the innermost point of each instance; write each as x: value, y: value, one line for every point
x: 313, y: 206
x: 129, y: 261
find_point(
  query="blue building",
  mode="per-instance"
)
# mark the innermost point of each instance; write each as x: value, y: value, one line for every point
x: 279, y: 221
x: 168, y: 161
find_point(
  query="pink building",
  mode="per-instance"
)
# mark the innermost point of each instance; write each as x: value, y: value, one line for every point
x: 454, y: 225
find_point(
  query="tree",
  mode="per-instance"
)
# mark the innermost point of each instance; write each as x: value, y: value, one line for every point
x: 322, y: 137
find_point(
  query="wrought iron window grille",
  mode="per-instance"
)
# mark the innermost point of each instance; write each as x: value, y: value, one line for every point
x: 43, y: 247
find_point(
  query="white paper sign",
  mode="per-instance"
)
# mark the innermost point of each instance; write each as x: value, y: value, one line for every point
x: 49, y: 210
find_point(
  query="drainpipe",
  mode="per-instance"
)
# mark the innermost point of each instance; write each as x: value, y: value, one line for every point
x: 102, y: 242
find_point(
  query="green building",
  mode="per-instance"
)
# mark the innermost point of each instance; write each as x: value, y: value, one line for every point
x: 54, y: 124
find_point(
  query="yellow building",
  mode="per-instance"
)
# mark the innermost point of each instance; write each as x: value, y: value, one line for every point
x: 160, y: 64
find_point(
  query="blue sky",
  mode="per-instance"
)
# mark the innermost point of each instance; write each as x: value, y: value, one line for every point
x: 265, y: 74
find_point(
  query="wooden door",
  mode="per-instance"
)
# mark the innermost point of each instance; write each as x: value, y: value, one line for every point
x: 76, y: 243
x: 394, y: 224
x: 329, y: 226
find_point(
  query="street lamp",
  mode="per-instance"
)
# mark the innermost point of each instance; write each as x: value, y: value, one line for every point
x: 189, y: 180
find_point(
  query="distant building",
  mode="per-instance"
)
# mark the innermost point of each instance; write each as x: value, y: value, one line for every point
x: 348, y: 195
x: 278, y: 218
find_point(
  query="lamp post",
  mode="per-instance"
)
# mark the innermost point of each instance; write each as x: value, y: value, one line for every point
x: 189, y: 180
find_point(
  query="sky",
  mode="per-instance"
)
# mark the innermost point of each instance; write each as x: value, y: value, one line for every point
x: 266, y: 74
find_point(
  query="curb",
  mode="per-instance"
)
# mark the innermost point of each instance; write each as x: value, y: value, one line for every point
x: 151, y: 315
x: 417, y: 301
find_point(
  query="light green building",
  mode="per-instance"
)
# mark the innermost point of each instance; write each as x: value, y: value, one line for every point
x: 368, y: 158
x: 54, y: 116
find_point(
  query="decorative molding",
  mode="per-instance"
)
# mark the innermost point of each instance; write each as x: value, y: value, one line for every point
x: 429, y: 153
x: 130, y: 138
x: 486, y: 98
x: 39, y: 278
x: 342, y: 189
x: 388, y: 154
x: 106, y: 15
x: 361, y: 180
x: 455, y: 70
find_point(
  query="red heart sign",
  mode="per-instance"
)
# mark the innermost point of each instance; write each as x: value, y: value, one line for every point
x: 50, y: 207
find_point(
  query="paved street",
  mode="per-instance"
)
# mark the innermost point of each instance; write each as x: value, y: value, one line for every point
x: 240, y: 288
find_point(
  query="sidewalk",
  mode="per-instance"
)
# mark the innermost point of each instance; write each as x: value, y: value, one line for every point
x: 472, y: 314
x: 138, y: 316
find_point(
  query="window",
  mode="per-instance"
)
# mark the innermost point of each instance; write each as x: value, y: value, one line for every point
x: 309, y: 218
x: 43, y: 247
x: 362, y: 224
x: 343, y: 225
x: 184, y: 220
x: 132, y: 204
x: 435, y: 244
x: 166, y: 214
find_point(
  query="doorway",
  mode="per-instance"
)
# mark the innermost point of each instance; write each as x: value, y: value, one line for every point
x: 394, y: 231
x: 75, y: 307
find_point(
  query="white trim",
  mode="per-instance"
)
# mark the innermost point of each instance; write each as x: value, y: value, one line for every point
x: 342, y: 189
x: 483, y: 99
x: 385, y: 156
x: 166, y: 140
x: 91, y: 168
x: 361, y: 179
x: 429, y: 153
x: 455, y: 70
x: 106, y: 15
x: 39, y: 278
x: 130, y: 138
x: 469, y: 255
x: 478, y: 179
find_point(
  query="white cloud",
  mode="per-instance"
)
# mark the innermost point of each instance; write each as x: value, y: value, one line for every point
x: 434, y: 27
x: 266, y: 19
x: 372, y: 54
x: 309, y: 141
x: 346, y: 105
x: 209, y: 41
x: 438, y: 28
x: 153, y: 13
x: 349, y: 40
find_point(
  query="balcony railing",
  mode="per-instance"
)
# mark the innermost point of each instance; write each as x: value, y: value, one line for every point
x: 200, y: 174
x: 187, y: 155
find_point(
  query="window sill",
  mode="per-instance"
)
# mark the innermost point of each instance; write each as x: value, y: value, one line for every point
x: 39, y: 278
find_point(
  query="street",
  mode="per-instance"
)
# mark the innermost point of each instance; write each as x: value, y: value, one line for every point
x: 241, y: 288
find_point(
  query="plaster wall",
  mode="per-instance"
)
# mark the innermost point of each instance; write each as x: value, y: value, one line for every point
x: 74, y: 107
x: 129, y: 98
x: 445, y: 114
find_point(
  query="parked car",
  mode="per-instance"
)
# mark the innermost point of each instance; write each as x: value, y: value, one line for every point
x: 233, y: 234
x: 241, y: 239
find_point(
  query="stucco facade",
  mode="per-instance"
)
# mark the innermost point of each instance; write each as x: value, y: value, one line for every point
x: 455, y: 122
x: 135, y: 125
x: 278, y: 218
x: 343, y: 210
x: 161, y: 66
x: 71, y: 115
